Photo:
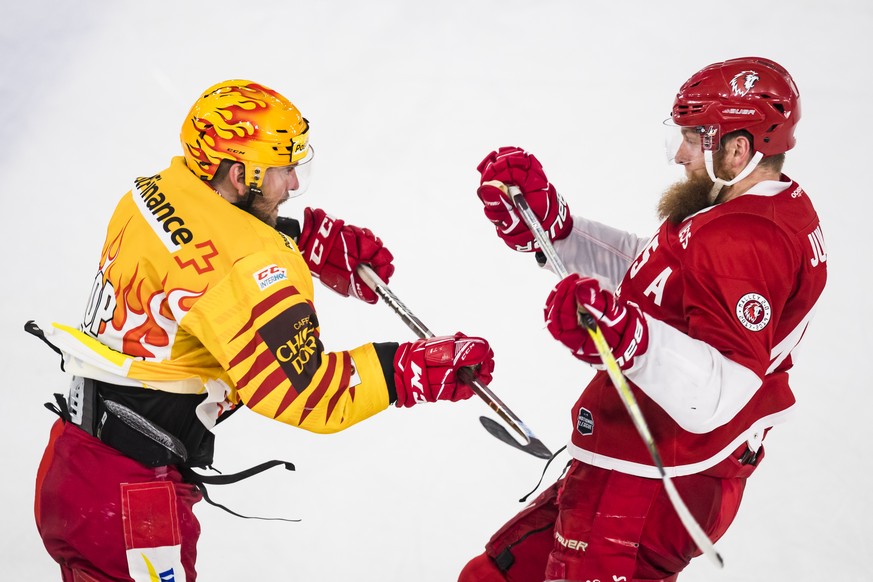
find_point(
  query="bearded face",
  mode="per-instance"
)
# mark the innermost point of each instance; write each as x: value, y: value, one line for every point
x: 692, y: 194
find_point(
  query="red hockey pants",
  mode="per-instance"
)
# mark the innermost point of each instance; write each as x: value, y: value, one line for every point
x: 601, y: 524
x: 103, y: 516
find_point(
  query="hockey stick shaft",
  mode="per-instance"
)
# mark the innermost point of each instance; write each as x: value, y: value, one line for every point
x: 618, y: 380
x: 533, y: 444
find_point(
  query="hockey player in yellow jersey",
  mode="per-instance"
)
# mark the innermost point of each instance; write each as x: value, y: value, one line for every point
x: 202, y: 302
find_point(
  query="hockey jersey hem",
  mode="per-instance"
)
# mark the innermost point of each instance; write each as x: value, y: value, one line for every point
x: 753, y: 436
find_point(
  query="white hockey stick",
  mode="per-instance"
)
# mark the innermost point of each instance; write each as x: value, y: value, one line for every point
x: 627, y: 396
x: 532, y: 444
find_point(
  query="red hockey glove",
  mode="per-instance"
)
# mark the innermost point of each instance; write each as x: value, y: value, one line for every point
x: 510, y: 166
x: 425, y: 370
x: 333, y: 250
x: 623, y: 325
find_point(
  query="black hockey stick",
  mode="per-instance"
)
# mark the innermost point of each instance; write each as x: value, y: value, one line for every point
x: 627, y: 396
x: 532, y: 444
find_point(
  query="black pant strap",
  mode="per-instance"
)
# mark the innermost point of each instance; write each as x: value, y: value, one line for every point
x: 61, y: 408
x: 549, y: 462
x: 200, y: 481
x: 33, y: 329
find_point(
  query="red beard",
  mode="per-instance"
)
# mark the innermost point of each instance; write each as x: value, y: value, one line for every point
x: 685, y: 198
x: 692, y: 195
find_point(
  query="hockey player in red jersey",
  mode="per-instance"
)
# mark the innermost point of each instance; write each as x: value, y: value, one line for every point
x: 203, y: 301
x: 702, y: 319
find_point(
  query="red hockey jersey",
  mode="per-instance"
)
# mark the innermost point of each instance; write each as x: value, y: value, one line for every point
x: 728, y: 293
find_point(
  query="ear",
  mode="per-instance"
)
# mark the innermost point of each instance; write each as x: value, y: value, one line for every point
x: 237, y: 179
x: 739, y: 152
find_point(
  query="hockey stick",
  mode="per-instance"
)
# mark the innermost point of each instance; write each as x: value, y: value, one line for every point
x: 532, y: 444
x: 618, y: 380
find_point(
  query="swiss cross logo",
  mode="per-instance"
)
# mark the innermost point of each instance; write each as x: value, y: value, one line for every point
x: 269, y: 275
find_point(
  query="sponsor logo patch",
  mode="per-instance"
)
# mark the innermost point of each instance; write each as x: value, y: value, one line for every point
x: 269, y: 275
x: 584, y: 422
x: 295, y: 344
x: 160, y: 214
x: 753, y: 311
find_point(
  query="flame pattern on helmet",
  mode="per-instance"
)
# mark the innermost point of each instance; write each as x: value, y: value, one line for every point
x: 244, y: 122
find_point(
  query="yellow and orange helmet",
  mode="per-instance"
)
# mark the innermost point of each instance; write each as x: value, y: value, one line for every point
x: 244, y: 122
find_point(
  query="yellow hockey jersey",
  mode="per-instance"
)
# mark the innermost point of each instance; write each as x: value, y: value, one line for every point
x: 194, y: 295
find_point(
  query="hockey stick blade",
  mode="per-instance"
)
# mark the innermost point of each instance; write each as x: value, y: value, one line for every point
x: 535, y: 447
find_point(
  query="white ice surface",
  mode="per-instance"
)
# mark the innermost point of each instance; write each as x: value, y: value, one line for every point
x: 404, y: 99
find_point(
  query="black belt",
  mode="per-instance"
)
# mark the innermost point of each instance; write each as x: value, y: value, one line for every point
x: 92, y: 409
x: 137, y: 437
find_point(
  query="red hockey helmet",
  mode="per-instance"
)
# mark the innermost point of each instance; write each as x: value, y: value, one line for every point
x: 750, y: 93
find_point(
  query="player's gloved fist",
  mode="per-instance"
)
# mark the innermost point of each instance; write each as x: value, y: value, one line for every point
x: 426, y: 370
x: 623, y: 324
x: 333, y: 250
x: 512, y: 166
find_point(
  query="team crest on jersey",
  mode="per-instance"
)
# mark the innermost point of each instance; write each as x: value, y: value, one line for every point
x: 584, y: 422
x: 753, y: 311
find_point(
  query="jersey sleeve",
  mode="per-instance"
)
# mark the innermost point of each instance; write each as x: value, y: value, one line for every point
x: 596, y: 250
x: 260, y: 324
x: 741, y: 272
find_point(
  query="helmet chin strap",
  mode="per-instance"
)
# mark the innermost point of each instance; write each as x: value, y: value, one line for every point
x: 718, y: 183
x: 246, y: 203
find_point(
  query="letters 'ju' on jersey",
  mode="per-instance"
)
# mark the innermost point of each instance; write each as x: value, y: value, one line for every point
x: 194, y: 295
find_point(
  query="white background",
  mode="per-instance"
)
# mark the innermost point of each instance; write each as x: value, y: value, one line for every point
x: 405, y: 98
